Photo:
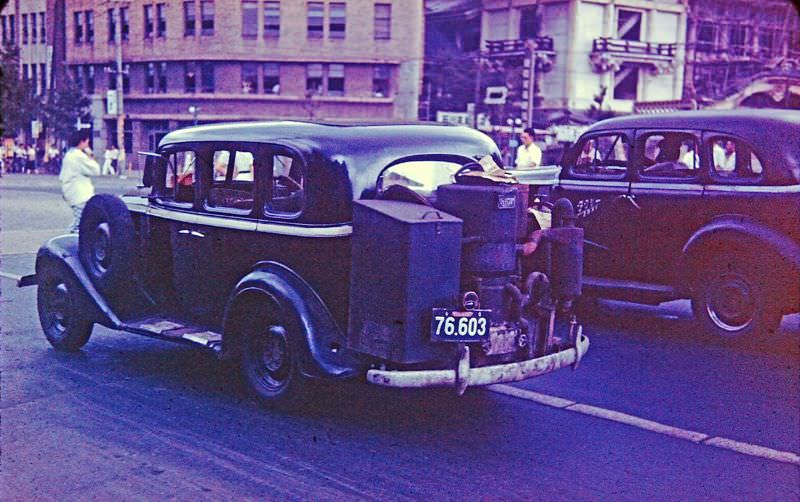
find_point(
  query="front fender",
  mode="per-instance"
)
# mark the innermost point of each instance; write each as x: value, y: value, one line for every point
x: 63, y: 251
x: 324, y: 340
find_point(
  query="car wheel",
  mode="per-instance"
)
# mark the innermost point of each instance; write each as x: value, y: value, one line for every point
x: 270, y: 351
x: 106, y: 243
x: 60, y: 312
x: 732, y: 301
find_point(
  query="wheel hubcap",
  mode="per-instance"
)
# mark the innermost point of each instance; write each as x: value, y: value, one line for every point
x: 270, y: 361
x: 732, y: 303
x: 101, y: 248
x: 58, y: 305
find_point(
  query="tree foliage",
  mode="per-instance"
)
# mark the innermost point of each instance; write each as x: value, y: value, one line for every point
x: 63, y: 107
x: 18, y: 102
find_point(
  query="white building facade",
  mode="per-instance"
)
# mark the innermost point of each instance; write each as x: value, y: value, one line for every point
x: 611, y: 52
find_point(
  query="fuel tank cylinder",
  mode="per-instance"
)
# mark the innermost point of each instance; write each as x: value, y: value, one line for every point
x: 490, y: 216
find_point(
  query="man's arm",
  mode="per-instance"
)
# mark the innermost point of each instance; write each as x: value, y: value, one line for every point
x: 88, y: 166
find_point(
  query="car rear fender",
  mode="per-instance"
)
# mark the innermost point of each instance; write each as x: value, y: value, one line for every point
x: 781, y: 250
x: 63, y: 251
x: 324, y: 343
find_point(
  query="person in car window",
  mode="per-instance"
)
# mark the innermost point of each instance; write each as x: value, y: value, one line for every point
x: 724, y: 157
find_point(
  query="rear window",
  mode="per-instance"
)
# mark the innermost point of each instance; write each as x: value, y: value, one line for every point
x: 733, y: 159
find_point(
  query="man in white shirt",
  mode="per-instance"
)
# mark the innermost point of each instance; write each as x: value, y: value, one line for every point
x: 529, y: 155
x: 77, y: 168
x: 725, y: 158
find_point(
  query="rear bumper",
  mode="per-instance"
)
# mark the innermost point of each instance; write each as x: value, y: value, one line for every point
x: 465, y: 376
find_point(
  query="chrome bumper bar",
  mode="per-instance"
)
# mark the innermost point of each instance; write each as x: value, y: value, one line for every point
x: 465, y: 376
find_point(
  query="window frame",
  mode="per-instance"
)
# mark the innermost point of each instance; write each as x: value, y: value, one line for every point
x: 148, y: 21
x: 639, y: 155
x: 161, y: 20
x: 207, y: 181
x: 315, y: 30
x: 160, y: 185
x: 376, y: 21
x: 254, y: 74
x: 272, y: 30
x: 337, y: 27
x: 207, y: 13
x: 265, y: 186
x: 249, y: 7
x: 572, y: 156
x: 267, y: 89
x: 714, y: 177
x: 189, y: 19
x: 77, y: 28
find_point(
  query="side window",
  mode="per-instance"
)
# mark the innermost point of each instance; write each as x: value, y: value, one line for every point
x: 421, y: 176
x: 732, y: 158
x: 669, y: 155
x: 287, y: 186
x: 180, y: 181
x: 232, y: 185
x: 602, y: 157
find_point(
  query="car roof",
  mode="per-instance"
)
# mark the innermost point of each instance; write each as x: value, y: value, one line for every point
x: 773, y: 133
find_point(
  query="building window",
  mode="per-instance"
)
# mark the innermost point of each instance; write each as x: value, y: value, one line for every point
x: 126, y: 27
x: 190, y: 77
x: 626, y: 82
x: 42, y: 30
x: 249, y: 19
x: 381, y: 79
x: 249, y: 78
x: 112, y: 26
x: 336, y: 80
x: 161, y: 17
x: 43, y: 75
x: 272, y: 78
x: 89, y: 72
x: 12, y: 28
x: 206, y: 77
x: 33, y: 29
x: 706, y: 36
x: 150, y: 78
x: 316, y: 19
x: 78, y: 76
x: 629, y: 25
x: 738, y: 37
x: 34, y: 78
x: 162, y: 77
x: 272, y: 19
x: 338, y: 20
x: 89, y: 27
x: 148, y: 21
x: 126, y: 79
x: 78, y: 27
x: 4, y: 24
x: 189, y: 19
x: 766, y: 38
x: 383, y: 21
x: 314, y: 78
x: 206, y: 17
x: 25, y: 29
x: 529, y: 23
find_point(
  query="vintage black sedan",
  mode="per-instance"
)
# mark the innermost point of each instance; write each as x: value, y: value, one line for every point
x: 308, y: 251
x: 702, y: 205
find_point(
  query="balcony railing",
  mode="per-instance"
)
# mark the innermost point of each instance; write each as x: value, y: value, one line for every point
x: 638, y: 47
x: 519, y: 46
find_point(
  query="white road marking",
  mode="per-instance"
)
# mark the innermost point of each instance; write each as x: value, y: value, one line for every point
x: 749, y: 449
x: 13, y: 277
x: 755, y: 450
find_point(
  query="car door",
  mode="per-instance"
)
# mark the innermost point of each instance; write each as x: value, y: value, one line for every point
x: 667, y: 190
x: 595, y: 179
x: 225, y: 228
x: 174, y: 214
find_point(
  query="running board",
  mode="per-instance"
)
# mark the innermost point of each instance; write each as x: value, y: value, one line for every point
x: 617, y: 289
x: 176, y: 331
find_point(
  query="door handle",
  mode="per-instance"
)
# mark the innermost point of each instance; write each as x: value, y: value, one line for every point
x: 193, y: 233
x: 630, y: 198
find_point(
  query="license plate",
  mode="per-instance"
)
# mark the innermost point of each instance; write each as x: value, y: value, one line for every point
x: 449, y: 325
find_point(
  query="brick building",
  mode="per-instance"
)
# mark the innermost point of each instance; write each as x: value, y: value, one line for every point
x: 200, y: 61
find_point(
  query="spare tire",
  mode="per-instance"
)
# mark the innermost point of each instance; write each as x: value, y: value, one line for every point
x: 107, y: 244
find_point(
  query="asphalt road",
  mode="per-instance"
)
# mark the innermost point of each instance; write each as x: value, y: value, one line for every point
x: 654, y: 412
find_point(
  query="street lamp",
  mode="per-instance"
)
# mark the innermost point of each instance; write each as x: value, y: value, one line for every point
x: 194, y: 110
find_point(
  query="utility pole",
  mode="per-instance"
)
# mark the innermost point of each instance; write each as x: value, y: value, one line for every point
x: 120, y: 83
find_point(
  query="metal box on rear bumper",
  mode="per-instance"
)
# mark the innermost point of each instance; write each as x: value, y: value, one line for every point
x: 406, y: 259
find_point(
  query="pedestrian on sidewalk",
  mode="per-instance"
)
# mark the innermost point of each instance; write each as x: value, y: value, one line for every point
x: 111, y: 157
x: 76, y: 174
x: 30, y: 159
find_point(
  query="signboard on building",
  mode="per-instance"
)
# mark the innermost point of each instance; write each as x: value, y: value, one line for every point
x: 111, y: 102
x: 496, y: 95
x: 455, y: 118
